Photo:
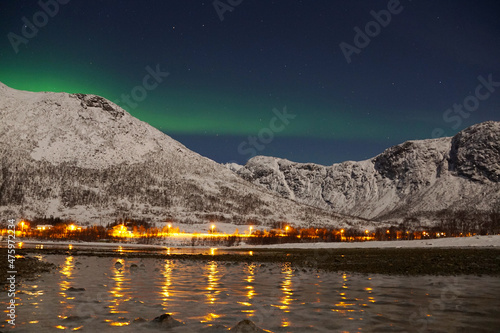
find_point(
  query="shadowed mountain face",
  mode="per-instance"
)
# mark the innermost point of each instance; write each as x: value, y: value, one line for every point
x: 416, y: 178
x: 83, y: 157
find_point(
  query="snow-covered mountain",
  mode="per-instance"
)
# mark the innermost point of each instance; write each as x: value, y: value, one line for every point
x: 83, y: 157
x: 414, y: 179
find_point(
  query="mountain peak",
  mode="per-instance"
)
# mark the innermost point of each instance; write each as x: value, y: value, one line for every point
x: 84, y: 158
x: 100, y: 102
x: 475, y: 152
x: 416, y: 177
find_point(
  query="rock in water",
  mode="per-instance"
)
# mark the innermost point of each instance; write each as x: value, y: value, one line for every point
x: 247, y: 326
x: 166, y: 321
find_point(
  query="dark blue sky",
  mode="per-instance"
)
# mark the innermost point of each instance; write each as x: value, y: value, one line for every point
x: 226, y: 77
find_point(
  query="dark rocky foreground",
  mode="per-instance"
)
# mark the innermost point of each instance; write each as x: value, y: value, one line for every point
x: 416, y: 261
x: 27, y: 267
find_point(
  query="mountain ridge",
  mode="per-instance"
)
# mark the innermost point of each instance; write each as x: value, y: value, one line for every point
x: 418, y: 177
x: 82, y: 157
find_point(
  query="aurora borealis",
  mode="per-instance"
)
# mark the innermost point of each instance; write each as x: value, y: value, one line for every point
x: 226, y: 77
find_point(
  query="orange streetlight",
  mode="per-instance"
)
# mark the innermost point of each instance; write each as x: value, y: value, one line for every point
x: 213, y: 227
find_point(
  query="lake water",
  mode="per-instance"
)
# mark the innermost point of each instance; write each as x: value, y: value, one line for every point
x: 276, y: 297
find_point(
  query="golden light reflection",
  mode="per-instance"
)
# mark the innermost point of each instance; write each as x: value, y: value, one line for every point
x: 344, y: 306
x: 119, y: 292
x: 119, y: 324
x: 167, y: 274
x: 70, y: 246
x: 285, y: 323
x: 66, y: 271
x: 371, y: 299
x: 213, y: 282
x: 210, y: 317
x: 20, y: 245
x: 250, y: 290
x: 286, y: 288
x: 212, y: 251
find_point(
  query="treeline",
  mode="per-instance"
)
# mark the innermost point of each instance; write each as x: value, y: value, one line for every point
x: 451, y: 224
x: 469, y: 222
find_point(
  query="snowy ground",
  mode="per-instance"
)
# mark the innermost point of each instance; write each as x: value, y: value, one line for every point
x: 475, y: 241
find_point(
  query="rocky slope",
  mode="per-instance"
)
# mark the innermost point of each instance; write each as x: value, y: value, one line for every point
x: 83, y: 157
x: 414, y: 179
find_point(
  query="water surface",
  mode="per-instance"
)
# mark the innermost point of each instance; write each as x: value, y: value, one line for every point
x: 276, y: 297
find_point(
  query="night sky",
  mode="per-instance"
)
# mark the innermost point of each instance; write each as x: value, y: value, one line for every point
x: 237, y: 77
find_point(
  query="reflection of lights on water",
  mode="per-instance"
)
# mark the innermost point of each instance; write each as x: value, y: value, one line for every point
x: 66, y: 277
x: 118, y: 291
x: 213, y: 283
x: 250, y: 291
x: 250, y: 278
x: 167, y: 273
x: 68, y: 267
x: 66, y: 271
x: 343, y: 306
x: 212, y: 289
x: 210, y: 317
x: 117, y: 323
x: 286, y: 288
x: 70, y: 246
x: 212, y: 251
x: 352, y: 307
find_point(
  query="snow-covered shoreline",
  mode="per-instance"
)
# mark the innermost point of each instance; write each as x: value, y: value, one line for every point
x: 461, y: 242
